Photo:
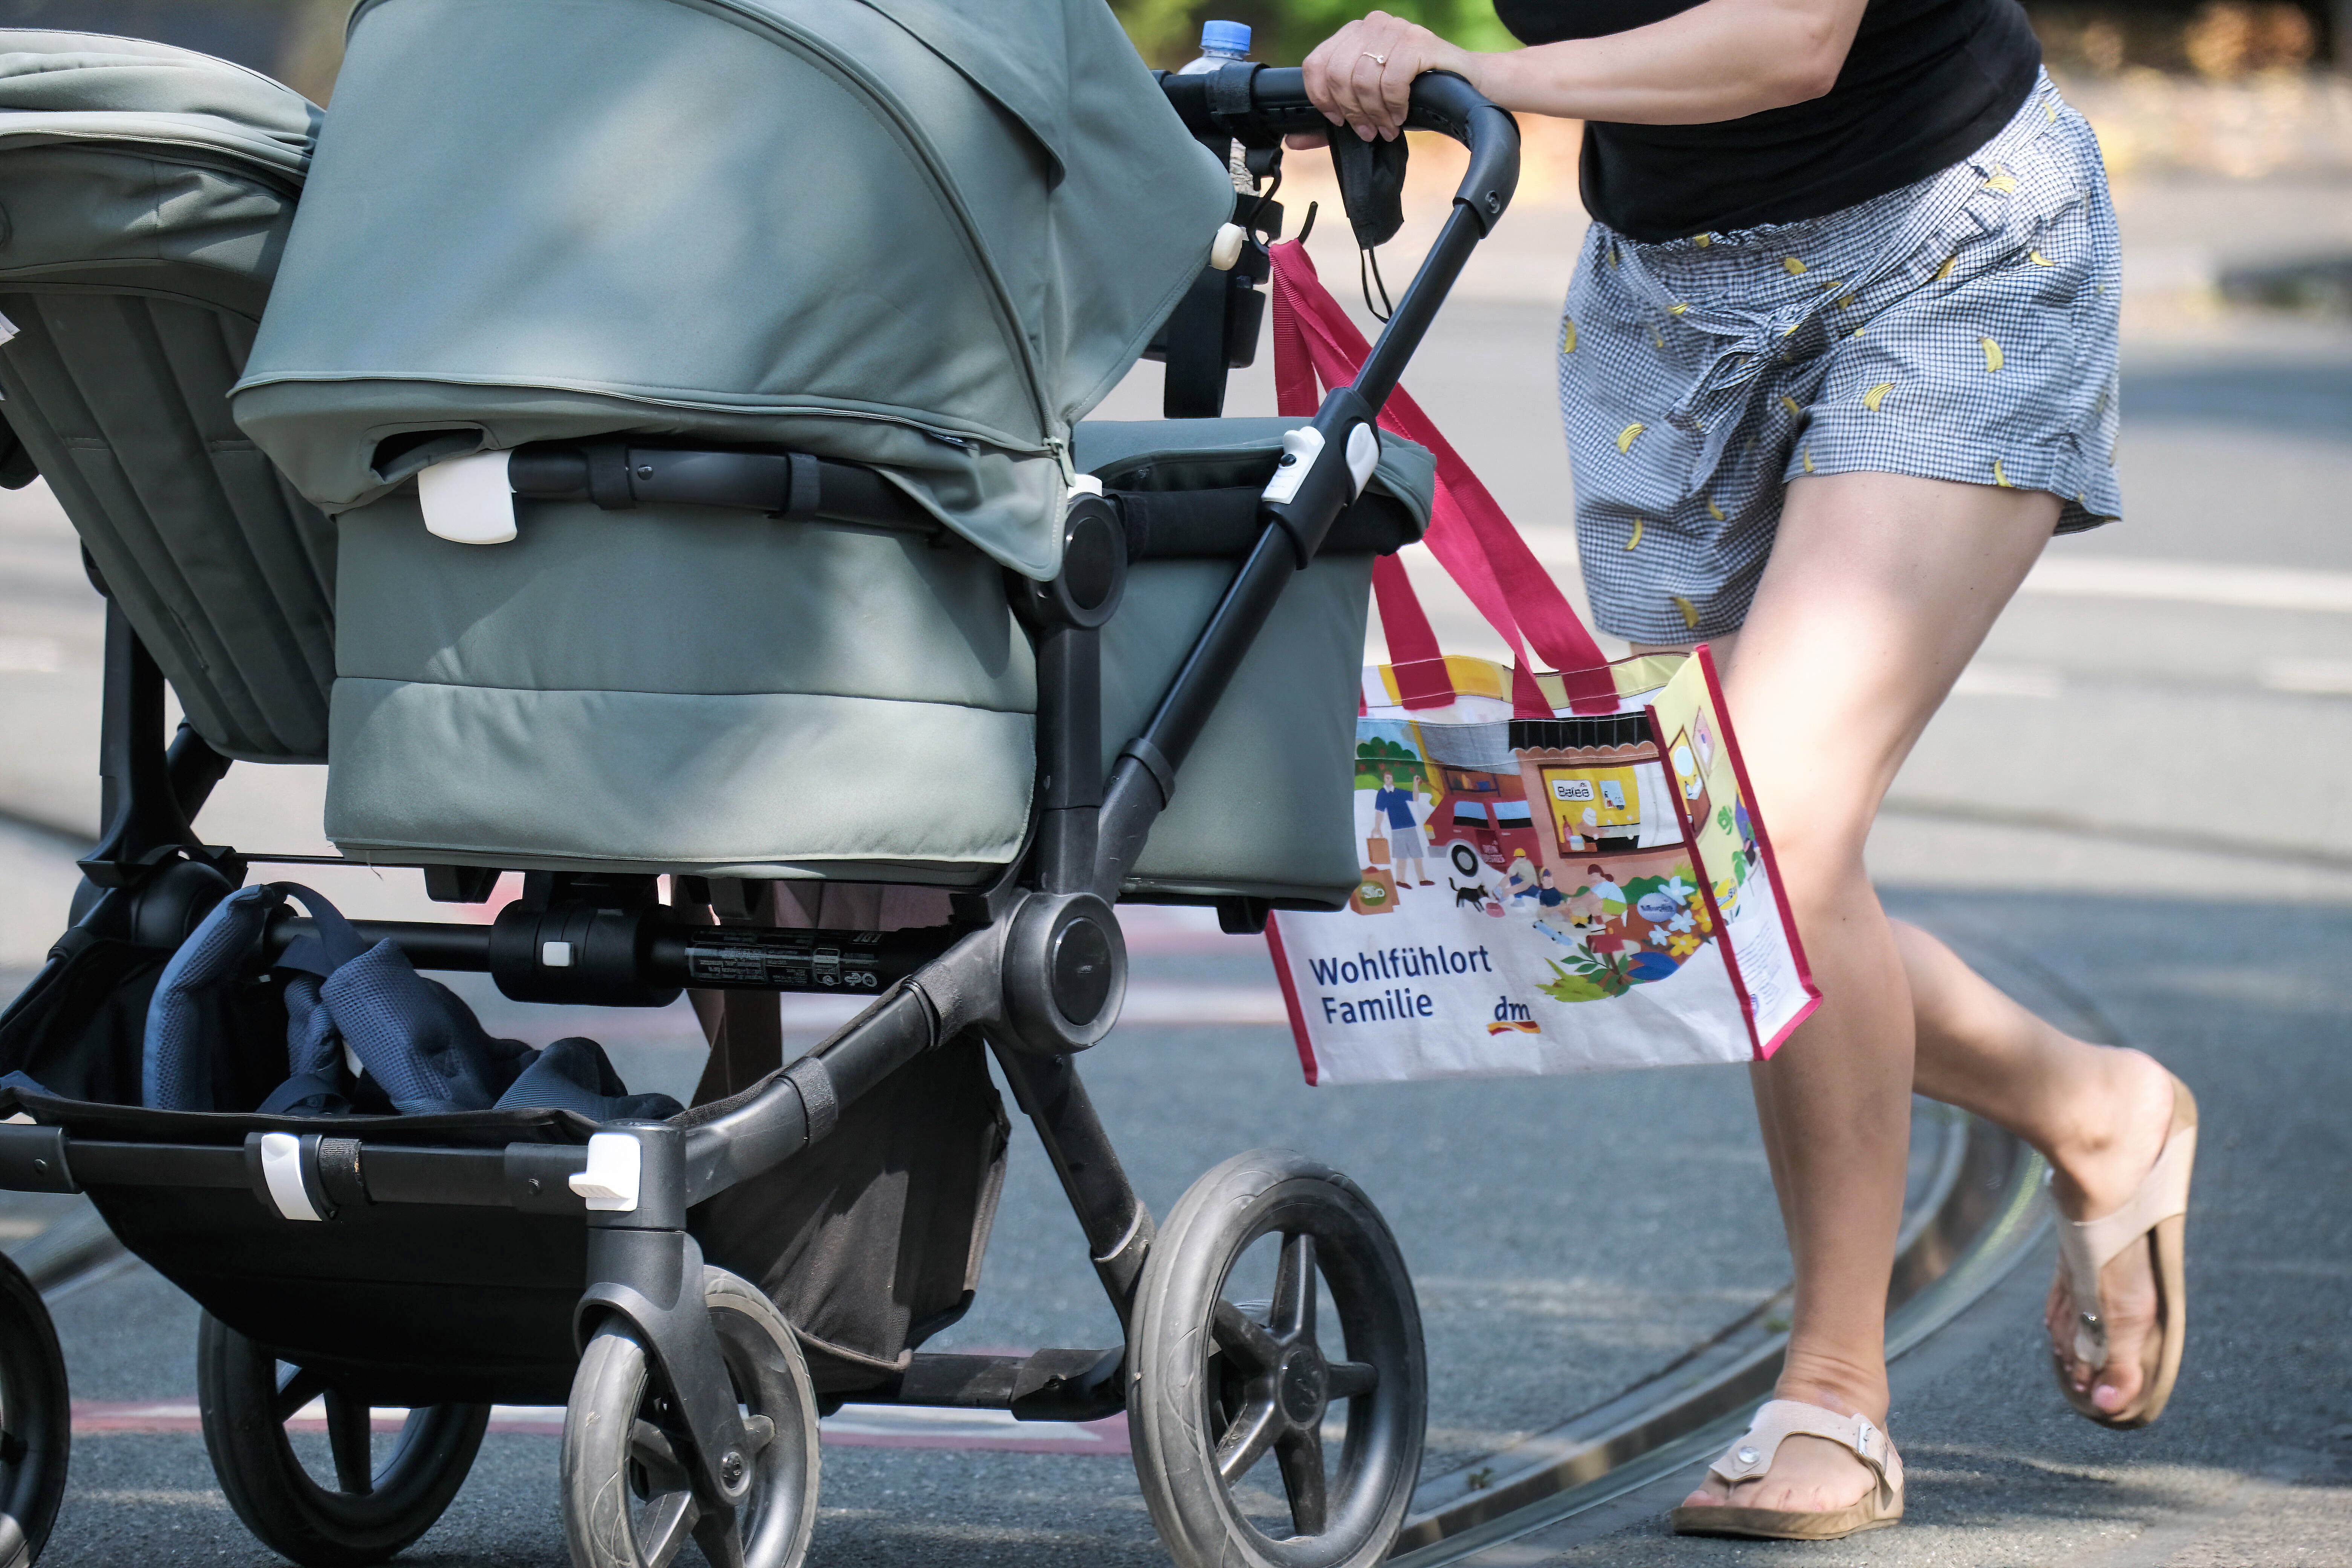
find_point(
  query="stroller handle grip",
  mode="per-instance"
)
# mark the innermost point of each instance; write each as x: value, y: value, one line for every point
x: 1258, y: 105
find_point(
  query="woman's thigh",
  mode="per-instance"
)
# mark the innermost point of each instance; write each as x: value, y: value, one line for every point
x: 1878, y: 590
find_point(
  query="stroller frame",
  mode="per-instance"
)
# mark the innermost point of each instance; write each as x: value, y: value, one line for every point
x: 1033, y: 963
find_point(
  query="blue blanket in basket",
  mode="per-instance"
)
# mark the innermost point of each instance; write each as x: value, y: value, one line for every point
x: 364, y: 1030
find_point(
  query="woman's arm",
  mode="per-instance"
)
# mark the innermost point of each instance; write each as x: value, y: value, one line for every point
x: 1721, y: 59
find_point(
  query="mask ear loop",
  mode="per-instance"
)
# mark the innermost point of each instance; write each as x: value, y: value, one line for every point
x: 1368, y: 273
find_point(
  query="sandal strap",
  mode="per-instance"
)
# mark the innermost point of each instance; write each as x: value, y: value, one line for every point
x: 2086, y: 1246
x: 1780, y: 1419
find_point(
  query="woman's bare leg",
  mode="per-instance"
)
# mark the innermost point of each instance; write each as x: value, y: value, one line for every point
x: 1879, y: 589
x: 2098, y: 1114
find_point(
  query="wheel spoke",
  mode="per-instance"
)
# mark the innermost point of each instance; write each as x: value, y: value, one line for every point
x: 721, y: 1540
x: 1300, y: 1455
x: 351, y: 1438
x: 1293, y: 1317
x: 1253, y: 1432
x: 1350, y: 1379
x: 1243, y: 1339
x: 297, y: 1386
x: 666, y: 1526
x: 650, y: 1447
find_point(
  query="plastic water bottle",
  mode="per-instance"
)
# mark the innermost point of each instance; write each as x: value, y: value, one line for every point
x: 1221, y: 43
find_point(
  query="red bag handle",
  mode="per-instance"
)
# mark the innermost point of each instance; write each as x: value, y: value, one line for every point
x: 1423, y: 680
x: 1314, y: 341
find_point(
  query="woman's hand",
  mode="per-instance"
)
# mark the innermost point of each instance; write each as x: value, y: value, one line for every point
x: 1362, y: 76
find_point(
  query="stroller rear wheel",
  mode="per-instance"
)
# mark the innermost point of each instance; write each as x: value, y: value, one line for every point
x: 627, y: 1502
x: 380, y: 1498
x: 1233, y: 1405
x: 35, y: 1425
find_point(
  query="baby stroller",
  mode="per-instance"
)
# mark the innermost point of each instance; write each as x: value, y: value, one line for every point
x: 695, y: 392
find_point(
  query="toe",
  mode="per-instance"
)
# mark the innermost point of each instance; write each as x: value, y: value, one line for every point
x: 1707, y: 1496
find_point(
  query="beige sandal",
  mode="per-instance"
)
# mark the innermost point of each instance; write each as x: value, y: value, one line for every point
x: 2156, y: 1215
x: 1752, y: 1455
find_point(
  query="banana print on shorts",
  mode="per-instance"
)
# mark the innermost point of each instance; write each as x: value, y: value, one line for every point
x: 2000, y: 373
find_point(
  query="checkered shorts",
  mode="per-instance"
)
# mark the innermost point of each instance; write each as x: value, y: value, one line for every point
x: 1961, y: 327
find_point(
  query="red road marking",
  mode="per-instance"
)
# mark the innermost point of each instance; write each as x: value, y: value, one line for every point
x: 855, y: 1426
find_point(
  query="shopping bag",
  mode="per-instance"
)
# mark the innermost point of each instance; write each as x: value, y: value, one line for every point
x: 1376, y: 849
x: 1596, y: 889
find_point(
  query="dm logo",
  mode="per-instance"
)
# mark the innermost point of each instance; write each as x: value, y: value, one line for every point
x: 1509, y: 1016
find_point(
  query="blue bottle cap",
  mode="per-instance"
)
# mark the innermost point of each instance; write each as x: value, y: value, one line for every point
x: 1224, y: 38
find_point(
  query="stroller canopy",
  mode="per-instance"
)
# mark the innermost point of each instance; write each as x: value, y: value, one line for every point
x: 924, y: 235
x: 148, y: 192
x: 82, y: 91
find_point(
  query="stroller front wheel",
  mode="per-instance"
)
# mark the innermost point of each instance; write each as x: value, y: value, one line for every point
x: 1277, y: 1389
x: 34, y: 1404
x: 374, y: 1509
x: 627, y: 1499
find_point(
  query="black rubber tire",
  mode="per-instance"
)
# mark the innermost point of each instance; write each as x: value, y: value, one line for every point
x: 1187, y: 1392
x: 618, y: 1406
x: 246, y: 1396
x: 36, y: 1420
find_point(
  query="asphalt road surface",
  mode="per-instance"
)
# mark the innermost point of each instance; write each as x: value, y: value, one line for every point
x: 2134, y: 811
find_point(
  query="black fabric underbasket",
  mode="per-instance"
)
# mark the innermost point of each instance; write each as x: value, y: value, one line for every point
x: 869, y: 1243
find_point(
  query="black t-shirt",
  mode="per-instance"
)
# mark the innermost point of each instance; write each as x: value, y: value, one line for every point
x: 1927, y: 83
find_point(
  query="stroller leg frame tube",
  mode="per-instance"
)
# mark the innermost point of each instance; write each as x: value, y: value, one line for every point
x: 1118, y: 1228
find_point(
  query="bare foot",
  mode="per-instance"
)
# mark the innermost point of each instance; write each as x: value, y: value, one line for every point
x: 1809, y: 1475
x: 2096, y: 1174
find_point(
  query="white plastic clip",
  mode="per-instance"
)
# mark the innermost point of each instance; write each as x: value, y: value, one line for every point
x: 555, y: 956
x: 1363, y: 455
x: 281, y: 1171
x: 1226, y: 248
x: 1300, y: 447
x: 615, y: 1167
x: 467, y: 500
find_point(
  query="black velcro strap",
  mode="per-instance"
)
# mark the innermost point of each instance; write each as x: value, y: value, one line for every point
x: 608, y: 474
x: 1229, y: 88
x: 804, y: 489
x: 811, y: 1077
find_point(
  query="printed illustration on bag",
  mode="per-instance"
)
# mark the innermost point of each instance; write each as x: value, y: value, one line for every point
x: 1392, y: 807
x: 1533, y: 868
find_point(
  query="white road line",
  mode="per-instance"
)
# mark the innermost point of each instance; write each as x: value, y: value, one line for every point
x: 2317, y: 677
x: 1986, y: 678
x: 2220, y: 583
x: 2194, y: 583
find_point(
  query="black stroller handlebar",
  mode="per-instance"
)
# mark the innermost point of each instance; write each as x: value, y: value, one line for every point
x: 1258, y: 105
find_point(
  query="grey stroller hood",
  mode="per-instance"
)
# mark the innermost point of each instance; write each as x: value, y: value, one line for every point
x: 146, y: 195
x: 69, y: 90
x: 923, y: 235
